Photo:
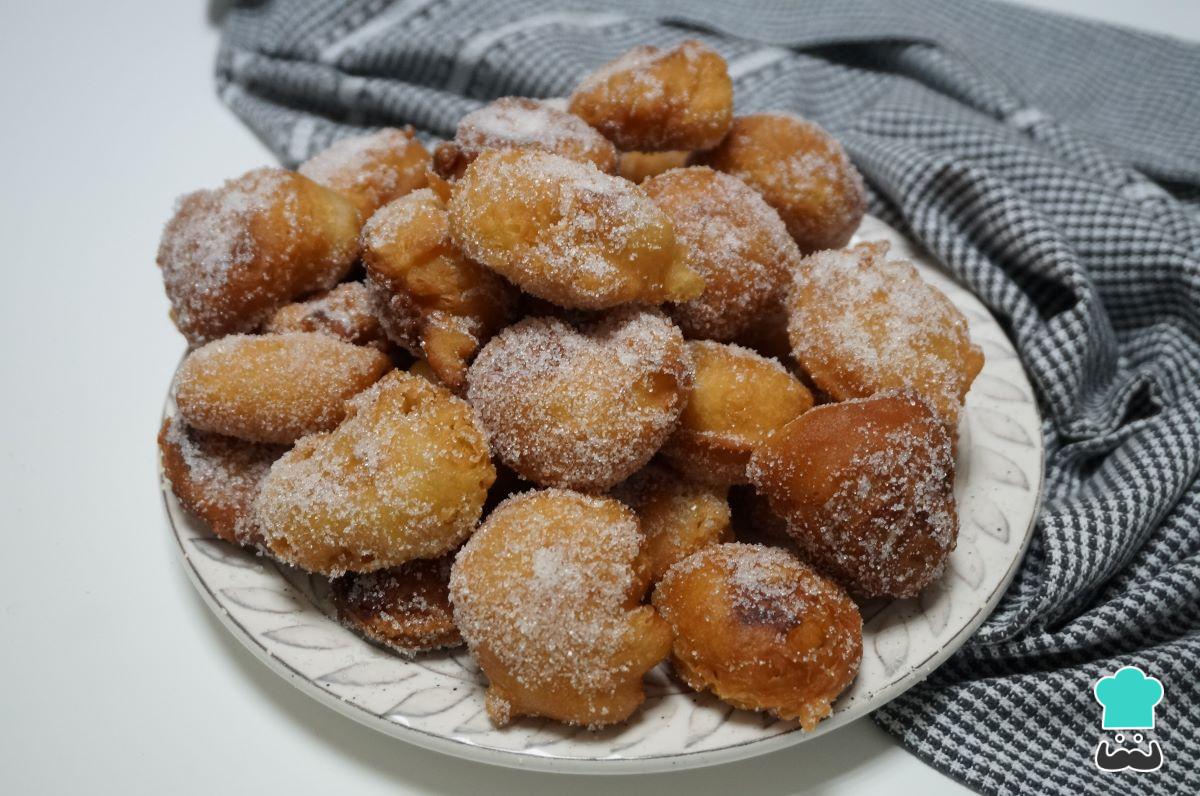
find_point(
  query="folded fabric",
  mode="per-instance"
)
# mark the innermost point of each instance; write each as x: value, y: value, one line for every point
x: 1052, y: 165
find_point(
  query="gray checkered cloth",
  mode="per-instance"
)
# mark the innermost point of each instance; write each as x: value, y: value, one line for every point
x: 1052, y: 165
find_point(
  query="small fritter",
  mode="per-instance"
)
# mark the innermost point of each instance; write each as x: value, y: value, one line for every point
x: 801, y: 170
x: 677, y: 516
x: 581, y: 409
x: 520, y: 123
x: 430, y: 298
x: 653, y: 99
x: 867, y: 489
x: 567, y: 232
x: 404, y: 476
x: 738, y: 400
x: 344, y: 312
x: 860, y: 324
x: 232, y: 256
x: 406, y: 608
x: 731, y: 238
x: 273, y: 387
x: 371, y: 170
x: 216, y: 478
x: 546, y: 594
x: 761, y: 630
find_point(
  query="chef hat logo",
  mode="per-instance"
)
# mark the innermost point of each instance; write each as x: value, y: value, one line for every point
x: 1128, y: 698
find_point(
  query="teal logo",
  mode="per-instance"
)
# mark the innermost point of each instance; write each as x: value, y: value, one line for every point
x: 1128, y: 697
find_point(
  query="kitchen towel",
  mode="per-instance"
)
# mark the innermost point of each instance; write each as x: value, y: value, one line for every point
x: 1052, y: 165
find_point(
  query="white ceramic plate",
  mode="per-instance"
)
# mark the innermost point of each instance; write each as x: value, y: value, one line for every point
x: 436, y: 701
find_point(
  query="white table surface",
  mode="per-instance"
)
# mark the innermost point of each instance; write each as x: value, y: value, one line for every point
x: 114, y: 677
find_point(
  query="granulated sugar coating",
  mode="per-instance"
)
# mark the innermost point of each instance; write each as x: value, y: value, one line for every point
x: 371, y: 170
x: 546, y: 594
x: 344, y: 312
x: 738, y: 400
x: 761, y: 630
x: 403, y: 477
x: 567, y: 232
x: 273, y: 387
x: 216, y: 478
x: 429, y: 297
x: 581, y: 409
x: 801, y: 171
x: 677, y: 516
x: 517, y: 122
x: 866, y: 487
x: 653, y: 99
x: 734, y: 240
x: 406, y: 608
x: 861, y: 324
x: 230, y: 257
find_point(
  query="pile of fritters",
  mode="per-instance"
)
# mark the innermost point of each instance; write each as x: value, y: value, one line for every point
x: 500, y: 393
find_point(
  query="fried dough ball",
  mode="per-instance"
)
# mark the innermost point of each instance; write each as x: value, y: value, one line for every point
x: 273, y: 387
x: 861, y: 324
x: 567, y: 232
x: 653, y: 99
x: 738, y: 400
x: 371, y: 170
x: 406, y: 608
x: 801, y: 170
x: 521, y: 123
x: 677, y: 516
x: 432, y: 300
x: 867, y: 489
x: 232, y: 256
x: 404, y: 476
x: 581, y: 409
x: 546, y: 594
x: 344, y: 312
x: 755, y: 522
x: 733, y: 239
x: 761, y: 630
x: 216, y: 478
x: 641, y: 166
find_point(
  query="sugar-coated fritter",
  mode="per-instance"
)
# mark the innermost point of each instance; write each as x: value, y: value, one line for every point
x: 641, y: 166
x: 547, y: 595
x: 232, y: 256
x: 215, y: 477
x: 344, y: 312
x: 677, y: 516
x: 404, y: 476
x: 371, y: 170
x: 653, y: 99
x: 567, y: 232
x: 406, y: 608
x: 273, y: 387
x: 581, y: 409
x: 801, y: 170
x: 731, y: 238
x: 521, y: 123
x: 430, y: 298
x: 867, y: 489
x: 738, y: 400
x: 860, y: 323
x: 761, y: 630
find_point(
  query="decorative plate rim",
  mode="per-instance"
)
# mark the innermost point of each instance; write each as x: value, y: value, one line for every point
x: 637, y: 763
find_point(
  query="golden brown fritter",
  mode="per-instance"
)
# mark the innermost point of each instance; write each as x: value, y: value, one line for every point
x: 371, y: 170
x: 406, y: 608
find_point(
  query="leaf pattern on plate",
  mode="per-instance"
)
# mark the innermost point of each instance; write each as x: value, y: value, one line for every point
x: 988, y: 517
x: 265, y: 600
x: 999, y: 389
x: 1003, y: 426
x: 994, y: 350
x: 890, y: 635
x: 935, y: 606
x: 967, y: 563
x: 428, y: 701
x: 309, y: 637
x: 998, y: 467
x: 373, y: 672
x: 226, y: 553
x: 708, y: 714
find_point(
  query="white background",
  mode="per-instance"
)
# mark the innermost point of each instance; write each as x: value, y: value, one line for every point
x: 114, y: 677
